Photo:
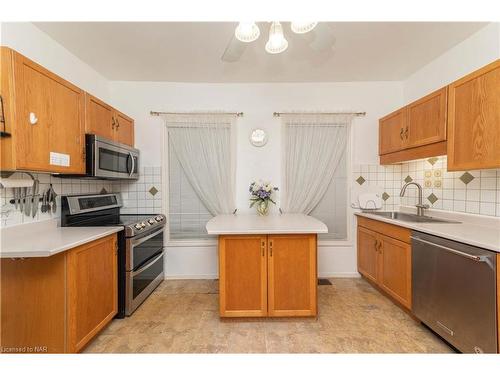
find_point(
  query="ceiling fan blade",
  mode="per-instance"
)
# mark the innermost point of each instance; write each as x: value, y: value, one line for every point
x: 323, y: 38
x: 234, y: 50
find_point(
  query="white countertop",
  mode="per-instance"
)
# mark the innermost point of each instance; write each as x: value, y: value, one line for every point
x: 272, y: 224
x: 45, y: 238
x: 475, y: 230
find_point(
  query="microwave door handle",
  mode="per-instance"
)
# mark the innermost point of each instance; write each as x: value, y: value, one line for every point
x: 133, y: 164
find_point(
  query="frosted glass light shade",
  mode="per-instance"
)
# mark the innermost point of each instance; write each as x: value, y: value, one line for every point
x: 247, y: 32
x: 277, y: 42
x: 302, y: 27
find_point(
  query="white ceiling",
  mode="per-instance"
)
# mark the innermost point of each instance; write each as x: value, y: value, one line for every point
x: 191, y: 51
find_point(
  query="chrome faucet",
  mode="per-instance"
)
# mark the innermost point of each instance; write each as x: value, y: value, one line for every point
x: 420, y: 206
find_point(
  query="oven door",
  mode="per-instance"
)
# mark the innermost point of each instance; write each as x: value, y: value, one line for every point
x: 114, y: 160
x: 141, y: 249
x: 141, y: 283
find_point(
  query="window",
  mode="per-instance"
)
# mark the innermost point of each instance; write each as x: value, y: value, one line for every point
x: 315, y: 164
x: 200, y: 172
x: 332, y: 208
x: 187, y: 215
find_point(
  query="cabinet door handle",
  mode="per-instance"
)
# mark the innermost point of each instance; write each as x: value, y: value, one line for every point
x: 33, y: 118
x: 112, y: 122
x: 263, y: 247
x: 401, y: 133
x: 270, y: 248
x: 117, y: 124
x: 406, y: 132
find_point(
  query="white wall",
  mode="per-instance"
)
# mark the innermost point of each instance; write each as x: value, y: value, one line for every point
x: 258, y: 102
x: 473, y: 53
x: 30, y: 41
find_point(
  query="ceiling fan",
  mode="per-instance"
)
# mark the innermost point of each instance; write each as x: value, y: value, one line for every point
x: 322, y: 38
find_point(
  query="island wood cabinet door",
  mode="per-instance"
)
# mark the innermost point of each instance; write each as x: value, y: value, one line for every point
x: 393, y: 132
x: 427, y: 119
x: 49, y: 120
x: 394, y: 275
x: 368, y: 253
x: 243, y: 276
x: 474, y: 120
x: 292, y: 275
x: 92, y: 274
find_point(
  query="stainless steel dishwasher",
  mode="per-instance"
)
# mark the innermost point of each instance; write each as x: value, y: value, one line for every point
x: 454, y: 292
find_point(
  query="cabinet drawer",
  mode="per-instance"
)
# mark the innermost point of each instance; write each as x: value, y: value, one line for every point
x: 390, y: 230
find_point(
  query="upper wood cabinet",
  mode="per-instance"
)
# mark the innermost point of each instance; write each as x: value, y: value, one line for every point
x: 393, y: 132
x: 267, y: 275
x: 415, y: 131
x: 99, y: 117
x: 427, y: 119
x: 124, y: 129
x: 45, y: 115
x: 384, y: 258
x: 57, y: 304
x: 103, y: 120
x: 292, y: 275
x: 474, y: 120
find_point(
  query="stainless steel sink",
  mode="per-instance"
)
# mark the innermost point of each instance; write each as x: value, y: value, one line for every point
x: 395, y: 215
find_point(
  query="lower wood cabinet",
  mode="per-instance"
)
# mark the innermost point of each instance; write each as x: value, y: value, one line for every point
x: 267, y: 275
x: 57, y: 304
x: 384, y: 258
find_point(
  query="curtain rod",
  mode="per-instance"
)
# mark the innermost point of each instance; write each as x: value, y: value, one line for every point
x: 237, y: 114
x: 278, y: 114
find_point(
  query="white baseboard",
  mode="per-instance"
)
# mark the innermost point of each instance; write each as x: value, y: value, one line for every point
x: 191, y: 277
x: 339, y: 274
x: 213, y: 277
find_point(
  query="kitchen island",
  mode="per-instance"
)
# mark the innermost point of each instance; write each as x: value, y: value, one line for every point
x: 267, y: 264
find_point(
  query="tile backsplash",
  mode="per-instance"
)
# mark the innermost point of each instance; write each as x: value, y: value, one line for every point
x: 476, y: 191
x: 141, y: 196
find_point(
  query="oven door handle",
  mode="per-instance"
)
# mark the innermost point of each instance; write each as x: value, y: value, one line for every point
x: 135, y: 242
x: 153, y: 261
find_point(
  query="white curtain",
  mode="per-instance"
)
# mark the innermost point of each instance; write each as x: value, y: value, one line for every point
x: 204, y: 146
x: 313, y: 146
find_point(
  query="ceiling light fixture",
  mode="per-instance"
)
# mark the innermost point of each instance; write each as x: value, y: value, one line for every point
x: 277, y: 42
x: 302, y: 27
x: 247, y: 32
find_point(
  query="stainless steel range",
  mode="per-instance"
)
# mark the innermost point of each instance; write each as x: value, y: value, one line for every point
x: 141, y: 251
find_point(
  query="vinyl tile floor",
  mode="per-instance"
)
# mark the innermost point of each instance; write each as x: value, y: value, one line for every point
x: 181, y: 316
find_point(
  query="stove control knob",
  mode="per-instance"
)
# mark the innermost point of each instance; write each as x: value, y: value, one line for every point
x: 138, y: 226
x: 151, y: 221
x: 159, y: 218
x: 143, y: 224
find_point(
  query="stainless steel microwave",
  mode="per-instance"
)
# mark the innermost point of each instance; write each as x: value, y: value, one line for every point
x: 110, y: 160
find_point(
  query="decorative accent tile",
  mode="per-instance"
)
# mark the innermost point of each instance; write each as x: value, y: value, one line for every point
x: 428, y: 173
x: 153, y: 191
x: 438, y: 184
x: 360, y: 180
x: 432, y: 161
x: 438, y: 173
x: 385, y: 196
x: 432, y: 198
x: 466, y: 178
x: 408, y: 179
x: 428, y: 183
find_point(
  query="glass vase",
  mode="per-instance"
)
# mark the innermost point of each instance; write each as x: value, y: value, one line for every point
x: 263, y: 208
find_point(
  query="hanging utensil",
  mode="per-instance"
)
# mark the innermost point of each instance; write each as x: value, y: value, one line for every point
x: 15, y: 197
x: 27, y: 202
x: 36, y: 198
x: 21, y: 198
x: 54, y: 204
